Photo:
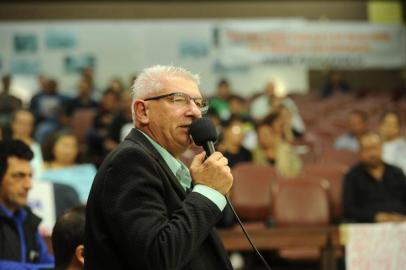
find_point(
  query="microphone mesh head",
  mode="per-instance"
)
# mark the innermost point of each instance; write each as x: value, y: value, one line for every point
x: 203, y: 130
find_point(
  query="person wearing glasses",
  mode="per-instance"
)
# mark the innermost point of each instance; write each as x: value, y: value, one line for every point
x: 146, y: 209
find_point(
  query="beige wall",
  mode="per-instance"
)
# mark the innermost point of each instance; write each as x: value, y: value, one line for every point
x: 313, y: 10
x: 37, y: 10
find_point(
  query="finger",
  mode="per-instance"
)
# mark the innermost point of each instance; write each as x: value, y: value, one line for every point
x: 215, y: 156
x: 198, y: 160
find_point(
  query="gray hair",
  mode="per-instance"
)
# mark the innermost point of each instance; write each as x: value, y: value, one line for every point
x: 153, y: 79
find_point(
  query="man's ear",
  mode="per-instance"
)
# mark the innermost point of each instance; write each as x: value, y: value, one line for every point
x: 80, y: 254
x: 140, y: 111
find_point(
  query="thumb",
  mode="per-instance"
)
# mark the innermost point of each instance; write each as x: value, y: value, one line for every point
x: 198, y: 160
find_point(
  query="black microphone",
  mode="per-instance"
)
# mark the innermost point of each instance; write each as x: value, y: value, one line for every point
x: 204, y: 134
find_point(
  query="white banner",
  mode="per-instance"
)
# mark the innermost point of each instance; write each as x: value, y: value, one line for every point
x: 42, y: 202
x: 376, y: 246
x: 313, y: 44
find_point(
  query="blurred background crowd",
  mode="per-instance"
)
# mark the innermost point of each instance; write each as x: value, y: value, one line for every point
x: 268, y: 133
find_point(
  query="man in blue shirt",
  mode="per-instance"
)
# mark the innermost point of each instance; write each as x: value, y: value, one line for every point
x: 21, y: 246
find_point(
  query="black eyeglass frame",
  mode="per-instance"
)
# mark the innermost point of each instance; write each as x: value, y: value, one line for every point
x: 203, y: 108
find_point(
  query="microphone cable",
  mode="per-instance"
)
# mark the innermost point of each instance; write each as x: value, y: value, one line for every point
x: 204, y: 134
x: 247, y: 235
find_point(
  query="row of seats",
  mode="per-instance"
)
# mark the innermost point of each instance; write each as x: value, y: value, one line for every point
x: 313, y: 198
x: 259, y: 196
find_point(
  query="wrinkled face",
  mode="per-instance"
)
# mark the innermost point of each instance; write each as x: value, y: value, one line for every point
x: 234, y: 134
x: 23, y: 124
x: 390, y: 127
x: 358, y: 126
x: 168, y: 123
x: 16, y: 183
x: 371, y: 151
x: 66, y: 150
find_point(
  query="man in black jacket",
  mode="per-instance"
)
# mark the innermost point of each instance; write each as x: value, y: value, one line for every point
x: 140, y: 213
x: 21, y: 246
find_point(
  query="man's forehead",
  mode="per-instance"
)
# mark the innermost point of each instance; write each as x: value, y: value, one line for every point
x: 15, y: 162
x: 182, y: 84
x: 371, y: 140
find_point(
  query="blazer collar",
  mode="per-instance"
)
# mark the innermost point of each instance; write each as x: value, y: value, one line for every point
x: 137, y: 137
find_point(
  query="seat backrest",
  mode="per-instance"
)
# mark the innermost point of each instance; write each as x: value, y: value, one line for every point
x: 344, y: 157
x: 300, y: 203
x: 251, y: 191
x: 333, y: 173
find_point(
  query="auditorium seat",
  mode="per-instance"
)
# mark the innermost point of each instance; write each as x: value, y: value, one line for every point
x: 333, y: 173
x: 300, y: 203
x: 251, y: 191
x: 344, y: 157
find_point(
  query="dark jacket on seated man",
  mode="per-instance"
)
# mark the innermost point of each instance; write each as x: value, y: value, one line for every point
x: 365, y: 197
x: 21, y: 246
x: 374, y: 191
x: 10, y: 228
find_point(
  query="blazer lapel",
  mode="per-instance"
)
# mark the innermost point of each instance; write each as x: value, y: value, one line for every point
x: 140, y: 139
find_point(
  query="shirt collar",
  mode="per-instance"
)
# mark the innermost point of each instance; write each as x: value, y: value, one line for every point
x: 20, y: 214
x: 174, y: 164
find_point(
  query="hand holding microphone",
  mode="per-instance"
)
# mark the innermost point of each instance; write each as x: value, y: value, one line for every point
x: 214, y: 171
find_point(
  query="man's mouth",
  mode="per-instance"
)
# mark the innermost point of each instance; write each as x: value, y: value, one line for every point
x: 186, y: 127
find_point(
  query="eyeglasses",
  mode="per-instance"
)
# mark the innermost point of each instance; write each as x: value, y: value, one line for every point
x: 183, y: 99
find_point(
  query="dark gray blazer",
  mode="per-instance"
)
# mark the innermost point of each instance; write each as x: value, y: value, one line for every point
x: 139, y: 217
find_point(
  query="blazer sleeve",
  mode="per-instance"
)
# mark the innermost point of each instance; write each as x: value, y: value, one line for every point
x: 135, y: 200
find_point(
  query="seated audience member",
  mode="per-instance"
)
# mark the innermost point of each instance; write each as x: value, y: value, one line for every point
x: 8, y: 102
x: 335, y: 83
x: 269, y: 102
x: 101, y: 123
x: 47, y: 108
x: 21, y: 246
x: 22, y: 125
x: 68, y: 239
x: 358, y: 126
x: 394, y: 146
x: 116, y: 85
x: 232, y: 147
x: 238, y: 110
x: 61, y: 155
x: 120, y: 120
x: 45, y: 105
x: 274, y: 149
x: 219, y: 103
x: 83, y: 100
x: 373, y: 191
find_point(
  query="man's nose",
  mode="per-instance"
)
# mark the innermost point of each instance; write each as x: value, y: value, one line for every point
x: 195, y: 110
x: 28, y: 182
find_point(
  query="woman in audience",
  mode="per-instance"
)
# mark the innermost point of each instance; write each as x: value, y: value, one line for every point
x: 394, y: 146
x: 61, y: 155
x: 22, y: 125
x: 231, y: 145
x: 274, y: 148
